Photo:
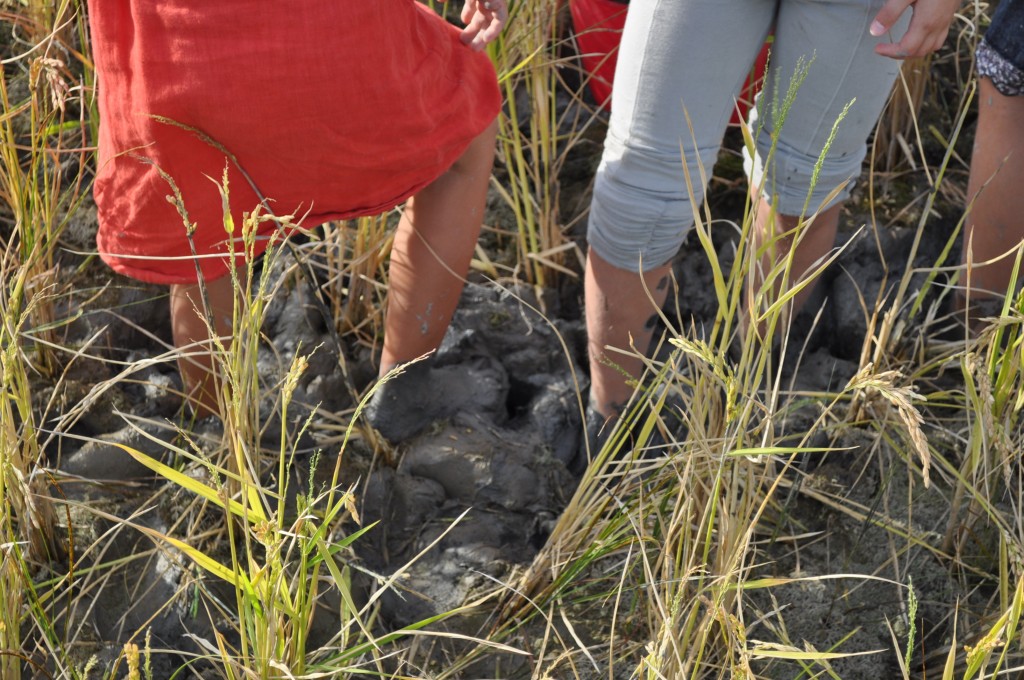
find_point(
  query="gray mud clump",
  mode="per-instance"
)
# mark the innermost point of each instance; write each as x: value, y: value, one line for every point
x: 496, y: 417
x: 503, y: 410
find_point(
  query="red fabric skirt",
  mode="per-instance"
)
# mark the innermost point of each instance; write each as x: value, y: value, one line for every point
x: 332, y: 108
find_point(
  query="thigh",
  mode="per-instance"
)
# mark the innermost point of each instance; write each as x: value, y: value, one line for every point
x: 684, y: 55
x: 830, y: 41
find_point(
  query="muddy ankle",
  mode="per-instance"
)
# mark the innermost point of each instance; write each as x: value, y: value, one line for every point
x: 597, y: 427
x: 974, y: 314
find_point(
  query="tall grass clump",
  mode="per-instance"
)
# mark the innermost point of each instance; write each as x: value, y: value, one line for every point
x: 986, y: 517
x: 541, y: 123
x: 908, y: 345
x: 284, y: 552
x: 278, y: 543
x: 43, y: 135
x: 354, y: 260
x: 42, y: 157
x: 733, y: 457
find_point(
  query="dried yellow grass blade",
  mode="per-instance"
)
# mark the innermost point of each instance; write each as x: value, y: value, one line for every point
x: 796, y: 654
x: 202, y: 559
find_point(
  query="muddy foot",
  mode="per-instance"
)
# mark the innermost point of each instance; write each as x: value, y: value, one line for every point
x: 423, y: 394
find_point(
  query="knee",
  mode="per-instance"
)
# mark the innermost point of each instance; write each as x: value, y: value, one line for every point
x: 795, y: 182
x: 636, y: 230
x: 479, y: 155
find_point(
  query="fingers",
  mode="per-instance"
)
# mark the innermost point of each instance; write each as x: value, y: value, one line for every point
x: 929, y: 26
x: 887, y: 16
x: 484, y: 20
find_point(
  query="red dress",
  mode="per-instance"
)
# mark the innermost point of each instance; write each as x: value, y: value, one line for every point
x: 333, y: 108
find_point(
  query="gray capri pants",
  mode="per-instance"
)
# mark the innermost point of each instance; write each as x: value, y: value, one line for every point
x: 695, y: 55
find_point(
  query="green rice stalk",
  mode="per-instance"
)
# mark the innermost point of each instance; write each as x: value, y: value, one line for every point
x: 988, y: 656
x: 38, y: 136
x: 276, y: 565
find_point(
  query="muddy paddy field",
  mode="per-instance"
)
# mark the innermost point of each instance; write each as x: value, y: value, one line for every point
x: 872, y: 482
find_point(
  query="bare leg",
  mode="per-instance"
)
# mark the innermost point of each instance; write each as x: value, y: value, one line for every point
x: 429, y: 262
x: 430, y: 257
x: 815, y: 245
x: 995, y: 223
x: 619, y: 313
x: 188, y: 327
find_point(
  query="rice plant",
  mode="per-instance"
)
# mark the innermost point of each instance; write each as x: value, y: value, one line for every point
x: 541, y: 123
x: 354, y: 257
x: 43, y: 170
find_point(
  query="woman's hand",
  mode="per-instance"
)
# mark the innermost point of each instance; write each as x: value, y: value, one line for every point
x: 929, y: 26
x: 484, y: 20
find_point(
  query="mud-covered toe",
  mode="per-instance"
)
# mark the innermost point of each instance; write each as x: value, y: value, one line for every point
x: 392, y: 411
